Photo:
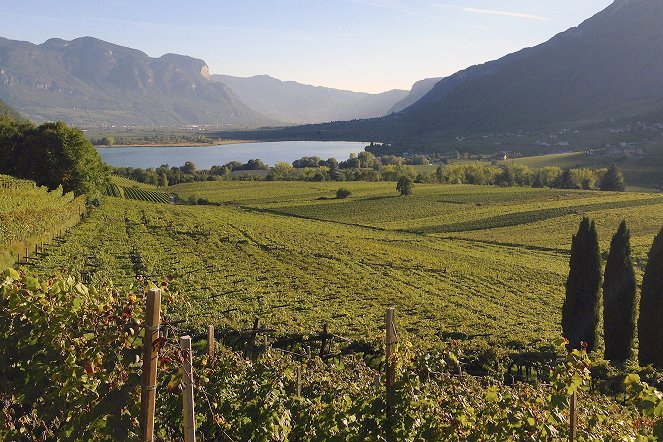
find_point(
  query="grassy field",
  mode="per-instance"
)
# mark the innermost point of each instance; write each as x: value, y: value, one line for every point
x: 452, y: 259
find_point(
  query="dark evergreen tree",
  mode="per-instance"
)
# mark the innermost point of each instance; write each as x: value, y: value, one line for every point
x: 650, y: 330
x: 619, y: 298
x: 506, y: 178
x: 580, y: 313
x: 404, y: 185
x: 613, y: 179
x: 565, y: 180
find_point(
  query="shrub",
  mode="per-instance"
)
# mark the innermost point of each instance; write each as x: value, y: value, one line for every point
x: 343, y: 193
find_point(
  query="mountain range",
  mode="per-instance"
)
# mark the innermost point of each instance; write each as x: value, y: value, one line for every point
x: 608, y: 68
x: 296, y: 103
x: 90, y: 82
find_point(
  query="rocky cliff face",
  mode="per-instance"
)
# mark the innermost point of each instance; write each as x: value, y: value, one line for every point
x: 91, y: 82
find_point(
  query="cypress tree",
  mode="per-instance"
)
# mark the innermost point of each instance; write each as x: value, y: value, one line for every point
x: 619, y: 298
x: 650, y: 331
x: 580, y: 313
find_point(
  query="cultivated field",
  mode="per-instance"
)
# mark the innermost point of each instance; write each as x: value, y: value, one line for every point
x: 452, y: 259
x: 30, y: 214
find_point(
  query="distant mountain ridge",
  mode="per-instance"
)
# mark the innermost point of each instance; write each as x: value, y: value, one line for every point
x: 608, y: 68
x: 88, y: 81
x: 297, y: 103
x: 418, y: 91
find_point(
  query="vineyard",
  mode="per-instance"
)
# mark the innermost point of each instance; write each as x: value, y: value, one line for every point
x: 485, y: 266
x: 294, y: 256
x: 121, y: 187
x: 82, y: 381
x: 297, y: 274
x: 30, y: 214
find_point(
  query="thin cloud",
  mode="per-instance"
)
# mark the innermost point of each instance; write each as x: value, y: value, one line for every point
x: 506, y: 14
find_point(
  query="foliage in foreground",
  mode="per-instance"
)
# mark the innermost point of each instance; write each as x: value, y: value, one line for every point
x: 70, y: 371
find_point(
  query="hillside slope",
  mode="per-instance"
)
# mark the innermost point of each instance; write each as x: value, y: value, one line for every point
x: 606, y: 69
x: 293, y: 102
x: 89, y: 82
x: 8, y: 112
x: 418, y: 91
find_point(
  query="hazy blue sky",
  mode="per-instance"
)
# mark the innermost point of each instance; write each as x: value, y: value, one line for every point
x: 363, y: 45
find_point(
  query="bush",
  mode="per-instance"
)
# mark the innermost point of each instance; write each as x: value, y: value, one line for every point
x: 343, y: 193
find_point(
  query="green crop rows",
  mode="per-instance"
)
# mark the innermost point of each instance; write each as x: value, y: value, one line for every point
x: 136, y: 193
x: 294, y: 256
x: 29, y: 211
x: 133, y: 193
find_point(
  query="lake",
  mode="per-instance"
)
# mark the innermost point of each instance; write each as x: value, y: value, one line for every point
x: 205, y: 157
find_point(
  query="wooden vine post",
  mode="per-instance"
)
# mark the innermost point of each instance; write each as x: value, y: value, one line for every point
x: 324, y: 336
x: 391, y: 340
x: 299, y: 380
x: 251, y: 351
x: 148, y: 391
x: 573, y: 429
x: 187, y: 391
x: 211, y: 342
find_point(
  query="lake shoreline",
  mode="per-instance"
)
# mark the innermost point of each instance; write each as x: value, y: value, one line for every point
x: 184, y: 144
x: 206, y: 156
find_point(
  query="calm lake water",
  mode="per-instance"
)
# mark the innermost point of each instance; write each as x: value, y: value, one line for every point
x: 207, y: 156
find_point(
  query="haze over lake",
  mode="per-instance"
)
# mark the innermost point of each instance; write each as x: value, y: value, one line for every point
x: 205, y: 157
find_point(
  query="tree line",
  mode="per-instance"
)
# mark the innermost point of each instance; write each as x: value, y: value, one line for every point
x: 51, y: 154
x: 623, y: 321
x: 367, y: 167
x: 128, y: 140
x: 521, y: 175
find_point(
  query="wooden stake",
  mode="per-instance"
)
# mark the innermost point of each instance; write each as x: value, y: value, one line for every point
x: 251, y: 347
x: 299, y: 380
x: 573, y: 430
x: 187, y: 392
x: 150, y: 356
x: 211, y: 342
x: 324, y: 341
x: 391, y: 339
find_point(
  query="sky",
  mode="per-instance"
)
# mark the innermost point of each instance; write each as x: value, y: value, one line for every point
x: 361, y: 45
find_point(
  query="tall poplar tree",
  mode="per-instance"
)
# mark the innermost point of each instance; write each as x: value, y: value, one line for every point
x: 580, y: 313
x: 619, y: 298
x: 650, y: 327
